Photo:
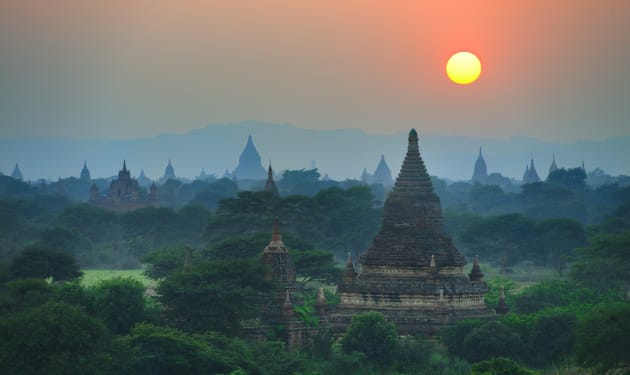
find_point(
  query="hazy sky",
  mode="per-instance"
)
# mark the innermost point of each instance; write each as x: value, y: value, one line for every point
x: 552, y: 69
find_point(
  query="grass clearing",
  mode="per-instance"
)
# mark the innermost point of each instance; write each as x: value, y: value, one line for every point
x: 524, y: 274
x: 92, y: 276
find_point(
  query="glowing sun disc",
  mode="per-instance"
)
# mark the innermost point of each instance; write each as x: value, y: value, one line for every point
x: 463, y: 68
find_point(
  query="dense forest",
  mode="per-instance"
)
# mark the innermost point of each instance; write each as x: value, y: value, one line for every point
x: 574, y: 321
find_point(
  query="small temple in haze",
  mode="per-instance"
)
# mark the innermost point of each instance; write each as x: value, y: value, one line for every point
x: 17, y: 174
x: 382, y: 174
x: 530, y: 176
x: 124, y: 194
x: 270, y: 184
x: 85, y: 173
x: 169, y: 173
x: 480, y: 173
x: 249, y: 165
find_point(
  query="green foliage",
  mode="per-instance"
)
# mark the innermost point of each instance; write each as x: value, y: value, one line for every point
x: 572, y: 178
x: 37, y: 262
x: 415, y: 355
x: 503, y: 238
x: 551, y: 339
x: 494, y: 288
x: 165, y: 261
x: 371, y: 335
x: 553, y: 293
x: 602, y: 337
x: 333, y: 218
x: 453, y: 336
x: 316, y: 264
x: 604, y: 264
x: 210, y: 196
x: 119, y: 302
x: 54, y: 338
x: 21, y: 294
x: 492, y: 339
x: 500, y: 366
x: 162, y: 350
x: 214, y: 295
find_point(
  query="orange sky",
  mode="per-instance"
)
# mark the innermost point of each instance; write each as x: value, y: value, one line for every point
x: 551, y: 69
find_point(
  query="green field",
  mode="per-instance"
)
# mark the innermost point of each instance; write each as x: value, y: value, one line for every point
x: 523, y: 274
x: 91, y: 277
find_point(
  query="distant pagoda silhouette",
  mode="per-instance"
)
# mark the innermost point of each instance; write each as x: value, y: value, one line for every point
x: 412, y: 273
x: 480, y: 173
x: 17, y: 174
x: 85, y: 173
x: 124, y: 193
x: 382, y: 174
x: 169, y: 172
x: 530, y: 176
x: 270, y: 185
x: 249, y: 166
x: 553, y: 167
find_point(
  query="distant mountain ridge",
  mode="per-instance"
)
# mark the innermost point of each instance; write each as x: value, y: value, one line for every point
x: 342, y: 154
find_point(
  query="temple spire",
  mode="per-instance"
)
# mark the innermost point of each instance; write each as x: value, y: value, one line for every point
x: 413, y: 174
x: 502, y: 307
x: 187, y: 258
x: 276, y: 237
x: 480, y: 172
x: 270, y: 185
x: 553, y: 167
x: 287, y: 306
x: 475, y: 274
x: 349, y: 275
x: 321, y: 304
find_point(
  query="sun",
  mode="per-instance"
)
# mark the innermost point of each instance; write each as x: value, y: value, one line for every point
x: 463, y: 68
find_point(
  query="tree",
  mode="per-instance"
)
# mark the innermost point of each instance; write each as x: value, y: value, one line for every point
x: 21, y: 294
x: 572, y: 178
x: 214, y: 295
x: 164, y: 261
x: 38, y: 262
x: 54, y: 338
x: 371, y: 335
x: 453, y: 336
x: 552, y: 293
x: 557, y: 238
x: 604, y: 264
x: 552, y: 338
x: 500, y: 366
x: 163, y: 350
x: 315, y: 264
x: 300, y: 182
x: 505, y: 237
x: 602, y: 337
x: 119, y: 302
x: 492, y: 339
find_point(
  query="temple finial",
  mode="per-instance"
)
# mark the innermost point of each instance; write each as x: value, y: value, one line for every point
x: 287, y: 306
x: 276, y: 236
x: 502, y: 307
x: 187, y: 258
x: 475, y: 273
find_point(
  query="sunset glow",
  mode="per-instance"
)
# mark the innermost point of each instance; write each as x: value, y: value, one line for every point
x: 463, y: 68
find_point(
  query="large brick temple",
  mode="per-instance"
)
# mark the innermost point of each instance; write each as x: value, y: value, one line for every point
x: 412, y: 273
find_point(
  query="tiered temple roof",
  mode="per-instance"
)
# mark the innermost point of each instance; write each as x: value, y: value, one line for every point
x: 412, y: 273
